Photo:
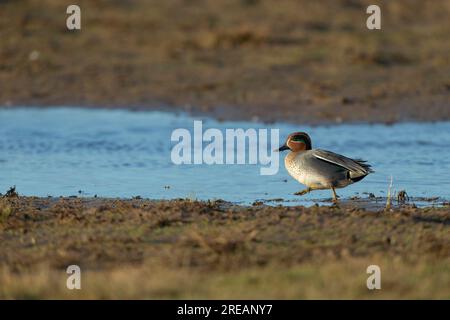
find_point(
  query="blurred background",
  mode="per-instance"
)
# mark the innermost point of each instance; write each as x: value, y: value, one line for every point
x: 300, y: 61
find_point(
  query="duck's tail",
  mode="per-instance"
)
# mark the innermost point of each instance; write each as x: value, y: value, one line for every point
x: 367, y: 167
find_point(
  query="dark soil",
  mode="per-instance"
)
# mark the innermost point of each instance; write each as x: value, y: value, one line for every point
x: 218, y: 239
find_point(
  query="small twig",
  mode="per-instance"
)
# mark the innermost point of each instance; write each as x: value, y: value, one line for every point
x: 388, y: 201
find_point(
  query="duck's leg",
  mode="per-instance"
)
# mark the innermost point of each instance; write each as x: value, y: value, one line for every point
x: 335, y: 197
x: 303, y: 192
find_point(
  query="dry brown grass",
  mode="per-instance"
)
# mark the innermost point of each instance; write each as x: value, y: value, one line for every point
x: 188, y: 249
x: 314, y: 61
x: 332, y: 279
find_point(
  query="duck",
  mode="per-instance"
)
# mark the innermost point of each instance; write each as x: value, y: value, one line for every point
x: 319, y: 169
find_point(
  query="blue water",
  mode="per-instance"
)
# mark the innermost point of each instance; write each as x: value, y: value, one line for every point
x: 118, y: 153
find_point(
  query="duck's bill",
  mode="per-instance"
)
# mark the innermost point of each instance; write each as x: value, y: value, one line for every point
x: 282, y: 148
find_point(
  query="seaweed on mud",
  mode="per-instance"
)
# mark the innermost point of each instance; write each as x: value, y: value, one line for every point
x: 402, y: 197
x: 11, y: 193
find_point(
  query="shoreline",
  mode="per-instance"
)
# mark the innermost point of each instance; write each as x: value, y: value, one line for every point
x: 194, y: 113
x: 367, y: 203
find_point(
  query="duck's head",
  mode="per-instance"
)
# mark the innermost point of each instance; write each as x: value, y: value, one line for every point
x: 297, y: 141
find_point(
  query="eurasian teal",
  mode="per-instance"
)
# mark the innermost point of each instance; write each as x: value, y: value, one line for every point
x: 320, y: 169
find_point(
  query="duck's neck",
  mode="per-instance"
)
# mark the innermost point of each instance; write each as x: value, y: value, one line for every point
x: 291, y: 156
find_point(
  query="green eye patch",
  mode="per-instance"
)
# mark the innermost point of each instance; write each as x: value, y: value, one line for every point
x: 298, y: 139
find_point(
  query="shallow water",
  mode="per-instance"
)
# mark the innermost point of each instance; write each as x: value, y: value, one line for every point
x: 118, y: 153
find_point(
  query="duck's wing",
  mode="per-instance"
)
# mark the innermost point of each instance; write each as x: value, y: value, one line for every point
x: 357, y: 167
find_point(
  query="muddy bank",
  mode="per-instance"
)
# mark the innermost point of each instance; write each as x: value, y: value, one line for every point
x: 176, y: 249
x: 298, y: 61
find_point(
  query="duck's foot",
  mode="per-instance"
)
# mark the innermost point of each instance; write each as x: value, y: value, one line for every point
x: 303, y: 192
x: 335, y: 196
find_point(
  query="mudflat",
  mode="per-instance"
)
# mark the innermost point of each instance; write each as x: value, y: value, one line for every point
x: 187, y: 249
x: 297, y: 61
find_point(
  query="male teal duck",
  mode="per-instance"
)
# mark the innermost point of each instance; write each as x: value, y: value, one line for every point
x: 320, y: 169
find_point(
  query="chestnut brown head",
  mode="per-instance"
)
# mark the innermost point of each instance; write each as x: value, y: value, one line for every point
x: 297, y: 141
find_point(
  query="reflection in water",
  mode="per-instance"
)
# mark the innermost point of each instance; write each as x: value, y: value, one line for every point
x: 117, y: 153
